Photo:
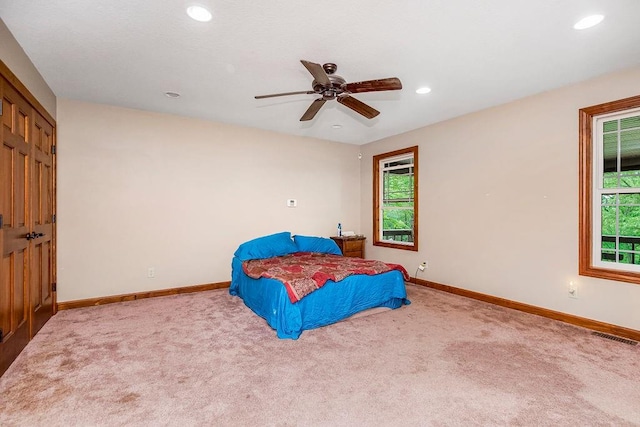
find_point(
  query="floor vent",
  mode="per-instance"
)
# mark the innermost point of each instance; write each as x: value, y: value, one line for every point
x: 615, y: 338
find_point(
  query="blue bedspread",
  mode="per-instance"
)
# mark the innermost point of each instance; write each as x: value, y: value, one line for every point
x: 331, y: 303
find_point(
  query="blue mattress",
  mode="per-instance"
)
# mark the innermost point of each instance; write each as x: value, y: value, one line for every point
x: 331, y: 303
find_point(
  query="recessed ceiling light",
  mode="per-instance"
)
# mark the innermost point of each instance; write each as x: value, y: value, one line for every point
x: 423, y: 90
x: 336, y: 126
x: 588, y: 22
x: 199, y: 13
x: 172, y: 94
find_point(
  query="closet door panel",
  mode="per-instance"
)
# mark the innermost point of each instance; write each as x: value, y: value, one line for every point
x: 14, y: 208
x: 42, y: 219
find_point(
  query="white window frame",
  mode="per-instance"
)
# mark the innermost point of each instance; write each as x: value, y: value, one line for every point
x: 598, y: 190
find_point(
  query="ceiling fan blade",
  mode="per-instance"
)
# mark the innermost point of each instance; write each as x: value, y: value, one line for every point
x: 317, y: 72
x: 392, y: 83
x: 358, y: 106
x: 308, y: 92
x: 312, y: 110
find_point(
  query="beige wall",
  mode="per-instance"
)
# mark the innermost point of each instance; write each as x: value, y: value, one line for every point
x: 139, y: 189
x: 499, y: 202
x: 13, y: 56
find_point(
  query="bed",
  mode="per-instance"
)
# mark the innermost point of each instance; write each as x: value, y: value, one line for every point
x: 290, y: 311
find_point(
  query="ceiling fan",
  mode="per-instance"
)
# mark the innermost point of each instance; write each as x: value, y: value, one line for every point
x: 332, y: 86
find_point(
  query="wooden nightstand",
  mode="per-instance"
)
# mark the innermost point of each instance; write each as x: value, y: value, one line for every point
x: 352, y: 246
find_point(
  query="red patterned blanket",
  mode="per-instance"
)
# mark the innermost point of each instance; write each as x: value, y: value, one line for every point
x: 304, y: 272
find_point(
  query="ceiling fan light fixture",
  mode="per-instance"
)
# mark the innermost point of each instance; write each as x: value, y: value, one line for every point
x: 199, y: 13
x: 588, y: 22
x: 423, y: 90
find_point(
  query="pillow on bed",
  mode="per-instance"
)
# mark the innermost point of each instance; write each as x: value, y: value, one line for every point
x: 322, y: 245
x: 266, y: 247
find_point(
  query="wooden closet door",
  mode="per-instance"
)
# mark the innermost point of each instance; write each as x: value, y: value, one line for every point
x: 42, y: 176
x: 14, y: 208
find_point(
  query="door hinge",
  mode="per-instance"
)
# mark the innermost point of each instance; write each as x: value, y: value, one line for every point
x: 53, y: 149
x: 53, y: 218
x: 1, y: 335
x: 54, y: 287
x: 1, y: 107
x: 1, y: 221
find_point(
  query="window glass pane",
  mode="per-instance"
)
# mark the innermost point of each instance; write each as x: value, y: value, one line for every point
x: 609, y: 256
x: 398, y: 187
x: 629, y: 257
x: 630, y: 157
x: 608, y: 242
x: 629, y: 123
x: 610, y: 180
x: 630, y: 179
x: 609, y: 220
x: 398, y: 205
x: 610, y: 153
x: 625, y: 246
x: 610, y: 126
x: 397, y: 225
x: 394, y: 163
x: 627, y: 199
x: 629, y: 221
x: 620, y: 227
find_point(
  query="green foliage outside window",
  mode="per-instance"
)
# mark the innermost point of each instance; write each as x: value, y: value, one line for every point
x: 397, y: 222
x: 621, y: 217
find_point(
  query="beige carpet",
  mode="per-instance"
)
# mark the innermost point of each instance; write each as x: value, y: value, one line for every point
x: 205, y: 359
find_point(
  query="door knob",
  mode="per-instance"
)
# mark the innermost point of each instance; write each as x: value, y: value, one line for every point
x: 33, y: 235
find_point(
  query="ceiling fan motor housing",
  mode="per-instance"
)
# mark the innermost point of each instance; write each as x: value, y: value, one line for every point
x: 330, y: 92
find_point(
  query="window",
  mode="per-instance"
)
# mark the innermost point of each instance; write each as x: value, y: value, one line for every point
x: 610, y: 190
x: 395, y: 199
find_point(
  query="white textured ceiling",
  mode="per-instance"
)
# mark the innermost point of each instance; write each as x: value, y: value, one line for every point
x: 473, y: 54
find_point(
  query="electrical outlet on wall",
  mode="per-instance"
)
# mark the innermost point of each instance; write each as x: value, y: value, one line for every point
x: 424, y: 265
x: 573, y: 290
